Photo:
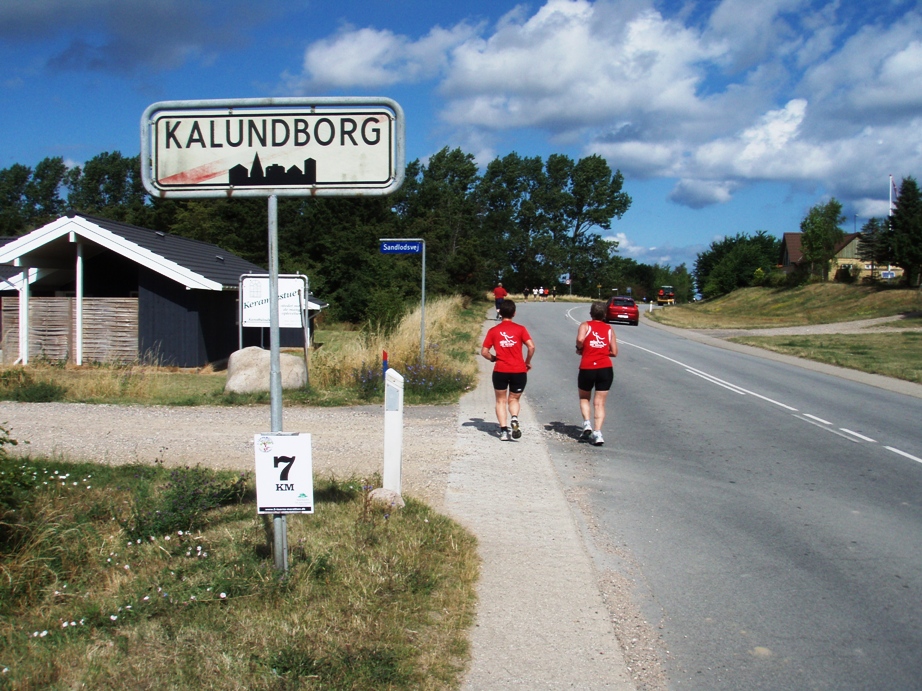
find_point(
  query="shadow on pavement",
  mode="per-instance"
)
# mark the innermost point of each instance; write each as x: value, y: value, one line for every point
x: 482, y: 425
x: 572, y: 431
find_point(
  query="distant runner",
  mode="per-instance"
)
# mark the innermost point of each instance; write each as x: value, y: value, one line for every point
x: 499, y: 294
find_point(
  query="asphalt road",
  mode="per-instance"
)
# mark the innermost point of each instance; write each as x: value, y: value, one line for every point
x: 770, y: 516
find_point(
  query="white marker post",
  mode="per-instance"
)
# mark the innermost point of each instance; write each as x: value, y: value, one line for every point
x: 393, y: 430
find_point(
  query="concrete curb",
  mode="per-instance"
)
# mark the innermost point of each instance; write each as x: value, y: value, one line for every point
x: 541, y: 622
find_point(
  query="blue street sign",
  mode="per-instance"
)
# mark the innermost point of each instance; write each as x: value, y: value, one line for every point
x: 401, y: 247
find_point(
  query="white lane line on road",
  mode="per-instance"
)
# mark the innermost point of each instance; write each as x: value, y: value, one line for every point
x: 836, y: 432
x: 818, y: 419
x: 903, y: 453
x: 860, y: 436
x: 714, y: 381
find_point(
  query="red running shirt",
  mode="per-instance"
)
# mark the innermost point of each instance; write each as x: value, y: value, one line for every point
x: 499, y: 293
x: 507, y: 339
x: 597, y: 346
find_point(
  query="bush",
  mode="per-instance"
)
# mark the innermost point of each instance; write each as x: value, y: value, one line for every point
x: 17, y: 384
x: 182, y: 503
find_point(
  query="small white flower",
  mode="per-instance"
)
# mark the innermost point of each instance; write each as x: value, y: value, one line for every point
x: 167, y: 537
x: 113, y: 617
x: 223, y: 596
x: 73, y: 623
x: 64, y: 625
x: 146, y: 598
x: 44, y: 633
x: 127, y: 567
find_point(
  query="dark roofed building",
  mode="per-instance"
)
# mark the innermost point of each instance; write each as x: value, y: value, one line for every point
x: 134, y: 294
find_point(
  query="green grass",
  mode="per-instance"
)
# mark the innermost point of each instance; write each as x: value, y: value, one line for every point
x: 896, y: 355
x: 819, y: 303
x: 145, y: 577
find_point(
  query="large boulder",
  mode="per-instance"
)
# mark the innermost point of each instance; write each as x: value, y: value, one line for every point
x: 248, y: 371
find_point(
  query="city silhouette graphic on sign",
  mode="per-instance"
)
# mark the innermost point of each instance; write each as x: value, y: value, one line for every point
x: 275, y: 175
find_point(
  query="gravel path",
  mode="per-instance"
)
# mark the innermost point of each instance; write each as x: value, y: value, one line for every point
x: 344, y: 441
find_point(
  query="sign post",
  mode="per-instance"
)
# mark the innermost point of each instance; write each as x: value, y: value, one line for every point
x: 272, y: 147
x: 412, y: 246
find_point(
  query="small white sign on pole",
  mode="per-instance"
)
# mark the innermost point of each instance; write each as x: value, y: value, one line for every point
x: 284, y: 473
x: 254, y: 301
x: 393, y: 430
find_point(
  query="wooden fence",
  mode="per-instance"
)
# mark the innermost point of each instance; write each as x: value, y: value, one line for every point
x: 110, y: 329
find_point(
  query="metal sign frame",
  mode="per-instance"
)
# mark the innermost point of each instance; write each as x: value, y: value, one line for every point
x: 279, y: 127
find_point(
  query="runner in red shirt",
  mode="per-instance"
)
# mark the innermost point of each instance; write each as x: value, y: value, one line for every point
x: 511, y: 369
x: 499, y: 294
x: 596, y: 343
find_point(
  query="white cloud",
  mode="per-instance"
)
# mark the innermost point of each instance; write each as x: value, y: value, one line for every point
x: 780, y: 90
x: 372, y: 57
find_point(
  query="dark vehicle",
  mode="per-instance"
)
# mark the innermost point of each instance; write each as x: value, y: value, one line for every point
x: 665, y: 296
x: 622, y: 309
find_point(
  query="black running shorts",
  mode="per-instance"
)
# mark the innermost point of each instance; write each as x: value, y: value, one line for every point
x: 600, y: 379
x: 514, y: 381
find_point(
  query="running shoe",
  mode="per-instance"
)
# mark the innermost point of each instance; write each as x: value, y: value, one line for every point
x: 597, y: 439
x: 504, y: 435
x: 516, y: 432
x: 586, y: 434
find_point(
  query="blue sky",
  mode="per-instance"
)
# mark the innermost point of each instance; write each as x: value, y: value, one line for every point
x: 724, y: 117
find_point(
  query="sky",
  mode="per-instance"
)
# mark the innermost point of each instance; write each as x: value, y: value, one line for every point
x: 724, y: 117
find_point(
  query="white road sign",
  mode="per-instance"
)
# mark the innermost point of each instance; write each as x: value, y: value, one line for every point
x: 284, y: 473
x: 254, y: 302
x: 263, y: 147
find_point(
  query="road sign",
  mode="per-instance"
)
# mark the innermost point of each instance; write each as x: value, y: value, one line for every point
x: 284, y: 473
x: 264, y: 147
x: 401, y: 247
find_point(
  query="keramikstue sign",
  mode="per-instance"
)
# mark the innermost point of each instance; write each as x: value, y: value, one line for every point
x: 263, y: 147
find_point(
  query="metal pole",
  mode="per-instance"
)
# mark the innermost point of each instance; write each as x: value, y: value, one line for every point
x: 279, y: 522
x: 422, y: 310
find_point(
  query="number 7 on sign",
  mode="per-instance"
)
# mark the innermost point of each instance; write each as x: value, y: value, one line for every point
x: 288, y: 461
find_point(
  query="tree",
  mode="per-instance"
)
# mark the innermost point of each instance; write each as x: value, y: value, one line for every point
x: 576, y: 198
x: 874, y: 244
x: 734, y: 262
x: 13, y: 182
x: 906, y: 231
x: 109, y: 185
x: 821, y: 234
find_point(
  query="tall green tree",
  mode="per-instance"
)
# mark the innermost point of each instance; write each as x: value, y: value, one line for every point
x: 732, y: 262
x: 438, y: 203
x: 906, y: 231
x: 577, y: 198
x: 514, y: 222
x: 13, y: 213
x: 30, y: 197
x: 108, y: 185
x: 874, y: 244
x: 821, y: 232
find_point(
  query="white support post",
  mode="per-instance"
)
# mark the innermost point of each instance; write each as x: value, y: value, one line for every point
x: 393, y: 430
x: 78, y: 327
x: 24, y: 318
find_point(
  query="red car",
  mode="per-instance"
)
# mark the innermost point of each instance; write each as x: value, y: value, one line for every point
x: 623, y: 309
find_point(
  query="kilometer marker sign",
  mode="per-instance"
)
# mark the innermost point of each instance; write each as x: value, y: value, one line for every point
x: 263, y: 147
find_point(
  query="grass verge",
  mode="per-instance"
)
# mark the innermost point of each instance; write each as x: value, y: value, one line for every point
x: 818, y: 303
x: 151, y: 578
x: 346, y: 370
x: 896, y: 355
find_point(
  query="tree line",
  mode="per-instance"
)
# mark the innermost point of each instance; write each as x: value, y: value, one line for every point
x: 750, y: 260
x: 525, y: 221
